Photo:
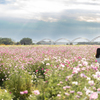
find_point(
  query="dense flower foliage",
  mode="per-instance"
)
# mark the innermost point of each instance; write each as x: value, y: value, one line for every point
x: 49, y: 72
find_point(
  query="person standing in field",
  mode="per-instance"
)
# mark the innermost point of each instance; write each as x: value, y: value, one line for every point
x: 98, y: 56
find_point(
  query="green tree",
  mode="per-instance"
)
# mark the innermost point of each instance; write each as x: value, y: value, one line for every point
x: 26, y: 41
x: 17, y: 43
x: 6, y: 41
x: 0, y: 40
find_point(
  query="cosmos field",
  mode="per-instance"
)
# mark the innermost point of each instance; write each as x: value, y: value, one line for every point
x: 49, y: 72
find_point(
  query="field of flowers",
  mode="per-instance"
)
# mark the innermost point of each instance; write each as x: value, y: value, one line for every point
x: 49, y: 73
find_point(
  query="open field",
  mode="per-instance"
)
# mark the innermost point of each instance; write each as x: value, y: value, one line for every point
x: 49, y: 73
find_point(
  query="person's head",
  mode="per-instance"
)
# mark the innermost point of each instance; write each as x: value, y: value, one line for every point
x: 98, y: 53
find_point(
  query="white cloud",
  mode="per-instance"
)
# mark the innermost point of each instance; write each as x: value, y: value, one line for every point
x: 89, y: 19
x: 30, y: 9
x: 34, y: 9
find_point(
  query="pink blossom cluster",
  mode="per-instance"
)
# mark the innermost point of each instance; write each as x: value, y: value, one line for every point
x: 94, y: 96
x: 24, y: 92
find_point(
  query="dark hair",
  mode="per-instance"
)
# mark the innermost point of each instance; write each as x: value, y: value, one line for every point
x: 98, y: 53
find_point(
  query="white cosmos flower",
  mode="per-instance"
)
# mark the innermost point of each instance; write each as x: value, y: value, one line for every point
x: 97, y: 73
x: 88, y: 92
x: 5, y: 90
x: 76, y: 83
x: 62, y: 65
x: 79, y: 64
x: 88, y: 78
x: 95, y: 76
x: 85, y: 88
x: 98, y: 78
x: 54, y: 57
x: 83, y: 59
x: 46, y: 59
x: 42, y: 62
x: 91, y: 82
x: 85, y: 63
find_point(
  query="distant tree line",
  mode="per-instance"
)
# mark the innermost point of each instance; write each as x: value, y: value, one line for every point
x: 88, y: 43
x: 9, y: 41
x: 28, y: 41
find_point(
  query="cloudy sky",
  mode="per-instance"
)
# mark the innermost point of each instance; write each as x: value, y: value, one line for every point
x: 51, y: 19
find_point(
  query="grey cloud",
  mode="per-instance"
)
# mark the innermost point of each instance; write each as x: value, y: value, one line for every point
x: 38, y: 30
x: 64, y: 15
x: 71, y: 14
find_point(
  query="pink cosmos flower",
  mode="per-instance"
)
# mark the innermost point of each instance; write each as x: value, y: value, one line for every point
x: 64, y: 87
x: 36, y: 70
x: 68, y: 87
x: 47, y: 69
x: 45, y: 72
x: 46, y: 81
x: 80, y: 93
x: 47, y: 64
x: 61, y: 82
x: 94, y: 96
x: 77, y: 96
x: 67, y: 94
x: 95, y: 60
x: 58, y: 95
x: 72, y: 91
x: 66, y: 79
x: 25, y: 92
x: 42, y: 68
x: 73, y: 72
x: 67, y: 65
x: 98, y: 89
x: 36, y: 92
x: 94, y: 88
x: 68, y: 62
x: 83, y: 68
